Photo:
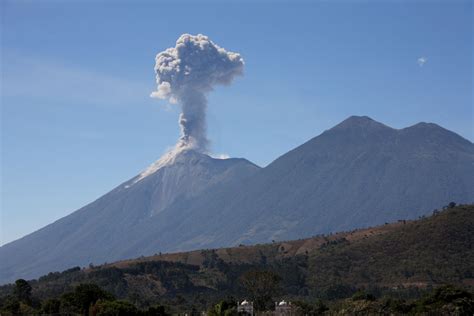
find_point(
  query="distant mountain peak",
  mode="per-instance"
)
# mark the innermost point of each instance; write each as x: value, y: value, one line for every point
x: 359, y: 118
x: 426, y: 125
x: 358, y: 122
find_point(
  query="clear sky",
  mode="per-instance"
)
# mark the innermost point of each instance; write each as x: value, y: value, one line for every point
x: 77, y: 118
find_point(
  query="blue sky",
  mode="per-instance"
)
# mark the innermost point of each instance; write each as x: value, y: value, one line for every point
x: 77, y: 118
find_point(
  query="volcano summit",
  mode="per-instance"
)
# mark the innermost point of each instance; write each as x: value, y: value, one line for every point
x: 359, y: 173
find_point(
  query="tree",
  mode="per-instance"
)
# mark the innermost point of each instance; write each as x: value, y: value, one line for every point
x: 83, y: 297
x: 223, y: 308
x: 11, y: 305
x: 316, y: 308
x: 449, y: 300
x: 362, y: 296
x: 51, y: 306
x: 157, y: 310
x: 114, y: 308
x: 88, y: 294
x: 22, y: 291
x: 261, y: 285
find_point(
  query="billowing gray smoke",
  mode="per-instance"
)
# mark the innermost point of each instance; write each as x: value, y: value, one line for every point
x: 186, y: 73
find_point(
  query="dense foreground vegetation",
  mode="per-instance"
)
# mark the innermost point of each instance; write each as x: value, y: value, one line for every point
x: 396, y: 268
x: 90, y: 299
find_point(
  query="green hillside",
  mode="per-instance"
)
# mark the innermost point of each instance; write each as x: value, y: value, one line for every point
x: 363, y: 269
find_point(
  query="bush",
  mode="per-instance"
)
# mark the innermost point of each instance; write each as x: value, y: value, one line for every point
x: 51, y: 306
x: 114, y: 308
x: 449, y: 300
x: 83, y: 297
x: 11, y: 305
x: 223, y: 308
x: 362, y: 295
x: 22, y: 291
x: 155, y: 311
x: 261, y: 285
x: 317, y: 308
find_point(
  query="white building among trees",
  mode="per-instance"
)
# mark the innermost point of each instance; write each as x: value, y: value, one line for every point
x: 245, y: 307
x: 283, y: 308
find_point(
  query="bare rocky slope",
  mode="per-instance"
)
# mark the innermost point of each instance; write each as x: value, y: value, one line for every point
x: 360, y: 173
x: 102, y: 230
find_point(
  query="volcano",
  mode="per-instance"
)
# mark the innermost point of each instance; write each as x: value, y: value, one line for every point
x: 357, y: 174
x: 102, y: 230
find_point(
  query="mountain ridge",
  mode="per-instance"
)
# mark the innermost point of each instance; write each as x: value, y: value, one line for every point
x: 401, y: 260
x: 94, y: 232
x: 270, y: 176
x: 340, y: 180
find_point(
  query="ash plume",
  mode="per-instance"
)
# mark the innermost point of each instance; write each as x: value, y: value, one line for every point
x: 185, y: 74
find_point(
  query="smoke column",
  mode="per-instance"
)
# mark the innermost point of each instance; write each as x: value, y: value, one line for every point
x: 185, y: 74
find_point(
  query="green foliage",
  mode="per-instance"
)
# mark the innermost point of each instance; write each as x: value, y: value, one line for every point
x: 399, y: 263
x: 447, y: 294
x: 212, y: 260
x: 22, y: 291
x: 362, y: 295
x: 114, y: 308
x: 396, y: 306
x: 305, y: 308
x: 223, y: 308
x: 51, y: 306
x: 157, y: 310
x: 446, y: 300
x: 449, y: 299
x: 20, y: 301
x: 334, y: 291
x: 262, y: 286
x: 430, y: 251
x: 10, y: 305
x: 173, y: 276
x: 82, y: 298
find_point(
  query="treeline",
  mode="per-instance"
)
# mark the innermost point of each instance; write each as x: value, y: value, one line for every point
x: 262, y: 286
x: 445, y: 300
x: 85, y: 299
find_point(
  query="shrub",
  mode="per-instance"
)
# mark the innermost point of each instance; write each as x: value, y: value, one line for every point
x: 114, y: 308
